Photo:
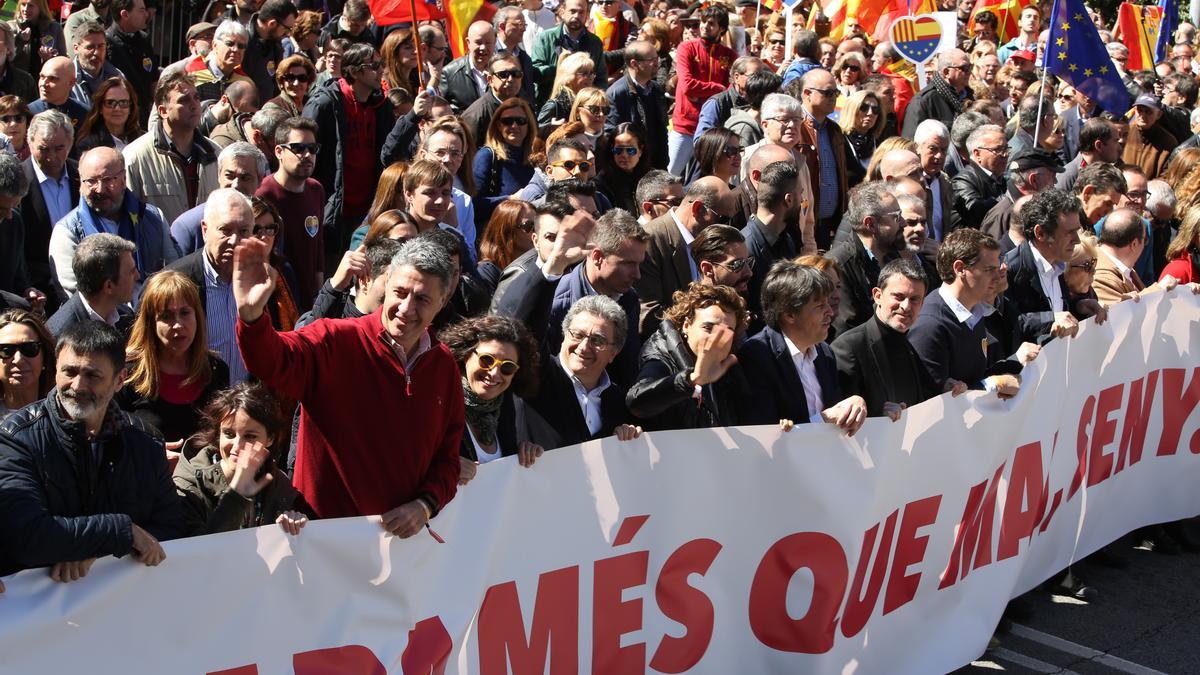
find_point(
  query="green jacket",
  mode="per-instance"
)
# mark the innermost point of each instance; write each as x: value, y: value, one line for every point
x: 546, y: 50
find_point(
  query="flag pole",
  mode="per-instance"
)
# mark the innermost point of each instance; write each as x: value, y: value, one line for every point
x: 412, y: 6
x: 1037, y: 126
x: 757, y: 18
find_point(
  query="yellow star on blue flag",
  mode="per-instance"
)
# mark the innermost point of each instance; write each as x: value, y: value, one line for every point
x: 1075, y: 44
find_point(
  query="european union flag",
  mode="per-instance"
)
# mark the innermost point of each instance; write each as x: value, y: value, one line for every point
x: 1166, y: 29
x: 1075, y: 53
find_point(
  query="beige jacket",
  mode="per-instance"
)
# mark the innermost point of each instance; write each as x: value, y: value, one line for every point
x: 154, y: 175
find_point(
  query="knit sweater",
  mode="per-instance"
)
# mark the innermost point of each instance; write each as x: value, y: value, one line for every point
x: 373, y: 435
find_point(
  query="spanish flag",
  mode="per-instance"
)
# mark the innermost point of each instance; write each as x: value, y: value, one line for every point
x: 1137, y: 28
x: 868, y: 13
x: 460, y: 14
x: 1007, y: 12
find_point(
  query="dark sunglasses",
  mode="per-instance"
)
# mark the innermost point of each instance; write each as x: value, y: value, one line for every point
x: 488, y: 362
x: 624, y: 149
x: 778, y: 43
x: 737, y: 264
x: 508, y: 75
x: 596, y: 109
x: 851, y: 67
x: 869, y: 108
x: 265, y: 230
x: 12, y: 119
x: 27, y: 349
x: 570, y: 165
x: 302, y: 148
x: 511, y: 121
x: 1089, y: 266
x: 296, y: 78
x: 117, y: 103
x: 732, y: 151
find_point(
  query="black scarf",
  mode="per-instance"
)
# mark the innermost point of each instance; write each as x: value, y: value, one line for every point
x: 483, y: 415
x: 943, y: 87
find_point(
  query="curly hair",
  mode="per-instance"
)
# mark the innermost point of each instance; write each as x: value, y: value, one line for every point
x: 463, y: 337
x: 698, y: 296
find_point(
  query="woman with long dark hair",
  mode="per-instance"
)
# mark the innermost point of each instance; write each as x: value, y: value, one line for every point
x: 717, y: 152
x: 624, y: 160
x: 113, y: 120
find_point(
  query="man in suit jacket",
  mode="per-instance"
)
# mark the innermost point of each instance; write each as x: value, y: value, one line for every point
x: 638, y: 98
x: 105, y: 276
x: 877, y: 240
x: 1036, y: 287
x: 510, y: 27
x: 1122, y: 240
x: 504, y: 78
x: 981, y: 182
x: 578, y: 400
x: 933, y: 144
x: 794, y: 372
x: 53, y: 192
x: 875, y: 360
x: 668, y: 265
x: 465, y: 78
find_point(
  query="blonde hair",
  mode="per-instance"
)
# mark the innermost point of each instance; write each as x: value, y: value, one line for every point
x: 567, y: 68
x: 850, y: 112
x: 144, y: 350
x: 586, y: 96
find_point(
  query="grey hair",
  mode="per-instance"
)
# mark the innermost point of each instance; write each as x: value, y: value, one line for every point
x: 231, y: 27
x: 1161, y: 194
x: 788, y: 287
x: 46, y: 122
x: 930, y: 129
x: 613, y: 228
x: 654, y: 185
x: 777, y: 103
x: 867, y: 200
x: 1029, y: 109
x: 13, y: 181
x: 427, y: 257
x: 963, y: 125
x: 243, y: 149
x: 741, y: 64
x: 1196, y: 116
x: 908, y: 201
x: 503, y: 14
x: 604, y: 307
x: 901, y: 267
x: 975, y: 140
x: 220, y: 199
x: 98, y: 259
x: 1116, y: 48
x: 946, y: 58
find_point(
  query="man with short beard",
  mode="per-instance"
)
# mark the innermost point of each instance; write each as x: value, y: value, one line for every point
x: 51, y: 514
x: 915, y: 235
x: 899, y: 379
x: 875, y: 214
x: 721, y: 255
x: 108, y: 206
x: 300, y: 200
x: 703, y: 66
x: 570, y: 35
x: 92, y: 67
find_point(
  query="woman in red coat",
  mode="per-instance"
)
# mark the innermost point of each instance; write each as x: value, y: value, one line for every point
x: 1183, y: 255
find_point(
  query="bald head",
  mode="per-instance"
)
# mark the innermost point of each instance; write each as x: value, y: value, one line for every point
x: 1123, y: 229
x: 904, y: 185
x: 102, y: 180
x: 100, y: 159
x: 481, y: 44
x: 707, y: 201
x: 767, y: 154
x: 820, y: 93
x: 56, y: 79
x: 898, y: 163
x: 243, y: 96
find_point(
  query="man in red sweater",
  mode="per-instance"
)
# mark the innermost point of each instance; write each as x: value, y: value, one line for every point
x: 702, y: 66
x: 382, y: 415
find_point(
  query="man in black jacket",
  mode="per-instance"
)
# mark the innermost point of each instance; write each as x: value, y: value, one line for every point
x: 1036, y: 287
x: 129, y: 49
x: 465, y: 78
x: 82, y: 478
x: 945, y: 97
x: 639, y: 99
x: 264, y: 51
x: 877, y: 239
x: 979, y: 185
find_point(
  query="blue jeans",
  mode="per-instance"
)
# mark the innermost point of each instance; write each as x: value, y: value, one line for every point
x: 679, y: 150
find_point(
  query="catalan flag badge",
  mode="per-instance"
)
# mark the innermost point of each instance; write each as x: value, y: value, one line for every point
x: 916, y: 37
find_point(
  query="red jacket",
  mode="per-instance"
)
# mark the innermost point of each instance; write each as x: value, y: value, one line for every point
x: 1181, y: 269
x: 703, y: 71
x: 372, y: 437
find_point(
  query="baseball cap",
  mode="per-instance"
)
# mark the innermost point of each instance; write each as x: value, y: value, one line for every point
x: 1035, y: 158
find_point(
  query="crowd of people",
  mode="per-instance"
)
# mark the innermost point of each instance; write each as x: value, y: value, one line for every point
x: 317, y: 267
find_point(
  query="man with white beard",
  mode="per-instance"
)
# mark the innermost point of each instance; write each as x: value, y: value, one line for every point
x: 82, y: 478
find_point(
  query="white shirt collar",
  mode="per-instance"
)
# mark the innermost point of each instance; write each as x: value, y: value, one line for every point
x: 687, y: 236
x: 111, y: 319
x: 970, y: 316
x: 1045, y: 268
x: 1125, y: 270
x: 593, y: 393
x: 809, y: 354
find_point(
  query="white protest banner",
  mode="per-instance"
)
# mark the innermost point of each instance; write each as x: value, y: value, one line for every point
x: 714, y: 551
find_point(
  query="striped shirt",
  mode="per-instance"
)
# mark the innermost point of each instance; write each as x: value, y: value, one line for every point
x: 221, y: 317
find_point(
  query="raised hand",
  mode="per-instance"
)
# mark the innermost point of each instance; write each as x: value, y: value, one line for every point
x: 354, y: 265
x: 714, y: 359
x: 248, y: 459
x: 253, y: 278
x: 571, y: 246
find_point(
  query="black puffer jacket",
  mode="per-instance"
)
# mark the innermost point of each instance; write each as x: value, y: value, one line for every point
x: 663, y: 396
x: 57, y: 505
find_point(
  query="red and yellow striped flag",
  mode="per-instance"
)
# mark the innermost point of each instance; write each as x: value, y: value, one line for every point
x: 1137, y: 28
x: 1007, y: 12
x: 460, y: 14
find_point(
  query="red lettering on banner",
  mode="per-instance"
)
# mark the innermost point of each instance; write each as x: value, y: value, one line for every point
x: 1104, y: 432
x: 347, y: 660
x: 973, y: 536
x: 613, y: 617
x: 1081, y: 445
x: 1178, y: 404
x: 858, y: 609
x: 553, y: 632
x: 428, y: 649
x: 1026, y: 498
x: 910, y: 550
x: 814, y: 632
x: 1137, y: 417
x: 685, y: 605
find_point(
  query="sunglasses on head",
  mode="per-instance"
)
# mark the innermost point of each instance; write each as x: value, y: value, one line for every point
x: 571, y: 164
x: 488, y: 362
x: 514, y: 121
x: 27, y: 349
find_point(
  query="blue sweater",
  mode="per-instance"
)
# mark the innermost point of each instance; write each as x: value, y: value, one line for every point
x: 496, y: 181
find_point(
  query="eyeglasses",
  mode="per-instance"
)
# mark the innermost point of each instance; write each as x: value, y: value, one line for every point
x: 298, y: 149
x: 737, y: 264
x: 1089, y: 266
x: 1066, y: 97
x: 514, y: 121
x: 571, y: 165
x: 446, y: 153
x: 598, y: 342
x: 27, y: 349
x: 1001, y: 151
x: 671, y: 202
x: 508, y: 75
x: 785, y: 120
x: 296, y: 78
x: 1137, y: 195
x: 625, y: 150
x: 264, y: 231
x: 851, y: 67
x: 117, y: 103
x: 103, y: 181
x: 488, y: 362
x: 596, y: 109
x: 374, y: 65
x: 966, y: 67
x: 525, y: 226
x: 824, y: 92
x: 12, y: 119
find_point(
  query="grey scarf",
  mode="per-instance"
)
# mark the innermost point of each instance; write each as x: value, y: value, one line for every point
x: 483, y: 415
